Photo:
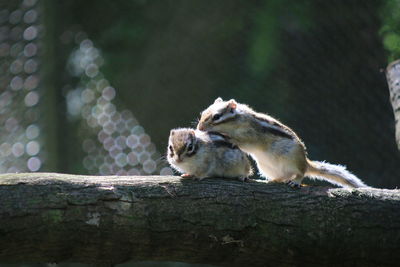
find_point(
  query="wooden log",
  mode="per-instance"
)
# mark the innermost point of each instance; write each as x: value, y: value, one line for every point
x: 105, y: 220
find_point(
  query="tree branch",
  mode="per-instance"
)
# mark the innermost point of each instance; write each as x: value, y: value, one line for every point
x: 49, y: 217
x: 393, y: 80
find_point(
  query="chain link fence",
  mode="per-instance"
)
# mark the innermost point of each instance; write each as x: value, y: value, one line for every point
x: 22, y: 141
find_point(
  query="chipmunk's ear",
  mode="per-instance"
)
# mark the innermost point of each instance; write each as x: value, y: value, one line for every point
x: 218, y: 100
x: 232, y: 104
x: 172, y: 132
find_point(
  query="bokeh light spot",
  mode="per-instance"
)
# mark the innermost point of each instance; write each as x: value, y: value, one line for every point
x: 132, y: 159
x: 32, y: 131
x: 134, y: 172
x: 87, y: 95
x: 91, y: 70
x: 11, y: 124
x: 16, y: 66
x: 166, y: 171
x: 29, y: 3
x: 16, y: 83
x: 34, y: 164
x: 31, y: 99
x: 108, y: 93
x: 88, y: 145
x: 132, y: 141
x: 15, y: 16
x: 30, y: 50
x: 30, y: 66
x: 30, y: 33
x: 121, y: 160
x: 32, y: 148
x: 30, y: 16
x: 31, y: 82
x: 5, y: 149
x: 149, y: 166
x: 18, y: 149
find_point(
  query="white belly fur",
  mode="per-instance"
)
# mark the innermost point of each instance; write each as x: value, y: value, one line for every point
x: 274, y: 165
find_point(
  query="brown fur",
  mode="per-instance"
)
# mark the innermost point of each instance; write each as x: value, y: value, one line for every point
x: 279, y: 153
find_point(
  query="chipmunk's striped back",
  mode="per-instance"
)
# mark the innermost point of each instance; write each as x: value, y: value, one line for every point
x: 279, y: 153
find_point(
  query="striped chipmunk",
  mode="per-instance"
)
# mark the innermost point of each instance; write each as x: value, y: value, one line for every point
x: 279, y: 153
x: 200, y: 155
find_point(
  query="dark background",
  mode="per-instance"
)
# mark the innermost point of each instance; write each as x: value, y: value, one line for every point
x: 315, y: 65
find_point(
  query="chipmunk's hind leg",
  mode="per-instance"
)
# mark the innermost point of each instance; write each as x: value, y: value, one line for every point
x: 295, y: 182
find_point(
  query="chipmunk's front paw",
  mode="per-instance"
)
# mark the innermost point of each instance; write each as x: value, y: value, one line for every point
x: 186, y: 175
x: 293, y: 184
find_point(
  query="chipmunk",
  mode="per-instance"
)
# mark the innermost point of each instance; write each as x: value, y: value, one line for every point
x: 279, y: 153
x: 200, y: 154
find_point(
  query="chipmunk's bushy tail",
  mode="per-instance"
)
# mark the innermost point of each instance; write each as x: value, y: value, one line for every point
x: 336, y: 174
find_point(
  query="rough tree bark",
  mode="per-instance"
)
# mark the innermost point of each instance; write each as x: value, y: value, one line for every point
x: 48, y: 217
x: 393, y: 80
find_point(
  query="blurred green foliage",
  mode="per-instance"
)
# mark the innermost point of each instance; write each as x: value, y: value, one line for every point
x: 265, y: 42
x: 390, y: 30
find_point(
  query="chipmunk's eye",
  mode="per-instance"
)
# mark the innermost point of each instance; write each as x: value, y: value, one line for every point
x: 216, y: 117
x: 170, y: 148
x: 190, y: 147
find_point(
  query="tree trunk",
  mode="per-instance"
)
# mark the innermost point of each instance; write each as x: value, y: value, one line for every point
x: 393, y: 79
x: 49, y: 217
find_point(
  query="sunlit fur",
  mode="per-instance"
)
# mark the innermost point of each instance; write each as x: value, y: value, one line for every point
x: 279, y: 153
x: 213, y: 157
